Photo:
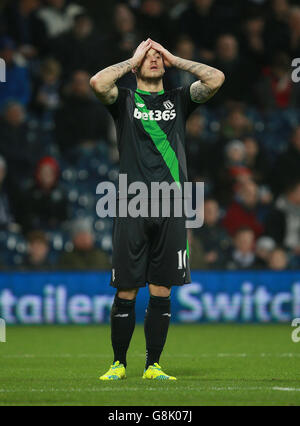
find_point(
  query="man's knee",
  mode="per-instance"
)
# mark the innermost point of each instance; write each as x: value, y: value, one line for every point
x: 159, y: 291
x: 129, y: 294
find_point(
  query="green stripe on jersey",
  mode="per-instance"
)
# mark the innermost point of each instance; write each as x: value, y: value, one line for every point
x: 160, y: 140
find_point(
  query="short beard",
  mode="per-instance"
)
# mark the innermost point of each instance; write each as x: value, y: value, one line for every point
x: 150, y: 80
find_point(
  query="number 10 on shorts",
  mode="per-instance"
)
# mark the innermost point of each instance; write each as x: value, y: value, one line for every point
x: 181, y: 259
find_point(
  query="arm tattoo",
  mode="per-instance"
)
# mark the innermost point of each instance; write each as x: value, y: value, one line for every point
x: 117, y: 71
x: 210, y: 78
x: 201, y: 92
x: 108, y: 77
x: 105, y: 81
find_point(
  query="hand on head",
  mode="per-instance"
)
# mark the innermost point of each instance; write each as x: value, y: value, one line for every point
x: 145, y: 46
x: 141, y: 51
x: 167, y: 56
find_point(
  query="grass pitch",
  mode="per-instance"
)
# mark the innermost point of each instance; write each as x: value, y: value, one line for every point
x: 214, y: 364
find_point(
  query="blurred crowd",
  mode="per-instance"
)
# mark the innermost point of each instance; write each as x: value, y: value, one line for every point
x: 57, y: 142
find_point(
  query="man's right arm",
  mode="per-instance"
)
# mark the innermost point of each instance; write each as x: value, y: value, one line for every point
x: 104, y: 82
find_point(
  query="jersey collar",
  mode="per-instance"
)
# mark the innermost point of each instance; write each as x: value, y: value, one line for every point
x: 143, y: 92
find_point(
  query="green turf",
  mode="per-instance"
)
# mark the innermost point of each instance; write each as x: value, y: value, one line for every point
x: 214, y: 364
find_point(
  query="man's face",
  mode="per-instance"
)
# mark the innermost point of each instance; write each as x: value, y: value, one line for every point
x: 14, y: 115
x: 56, y: 3
x: 211, y: 212
x: 195, y: 125
x: 7, y: 54
x: 2, y: 173
x: 249, y: 193
x: 244, y: 241
x: 83, y: 27
x: 185, y: 49
x: 83, y: 241
x: 278, y: 260
x: 294, y: 196
x: 47, y: 176
x: 236, y: 154
x: 38, y: 251
x: 296, y: 138
x: 80, y: 84
x: 152, y: 66
x: 203, y: 4
x: 227, y: 48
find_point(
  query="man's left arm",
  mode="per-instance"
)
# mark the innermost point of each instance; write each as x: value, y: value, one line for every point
x: 210, y: 79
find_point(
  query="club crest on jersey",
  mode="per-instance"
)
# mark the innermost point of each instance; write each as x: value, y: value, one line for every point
x: 168, y: 105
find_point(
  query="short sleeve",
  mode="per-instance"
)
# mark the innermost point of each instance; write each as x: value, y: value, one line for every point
x: 118, y: 106
x: 188, y: 106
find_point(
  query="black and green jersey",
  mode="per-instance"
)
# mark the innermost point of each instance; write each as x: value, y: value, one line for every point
x: 151, y: 134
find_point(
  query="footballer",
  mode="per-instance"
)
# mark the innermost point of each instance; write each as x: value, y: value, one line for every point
x: 150, y: 125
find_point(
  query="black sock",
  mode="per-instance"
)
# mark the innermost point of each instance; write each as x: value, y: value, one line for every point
x: 122, y: 319
x: 157, y: 322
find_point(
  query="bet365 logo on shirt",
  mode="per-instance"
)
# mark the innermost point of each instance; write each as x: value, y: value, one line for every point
x: 157, y: 115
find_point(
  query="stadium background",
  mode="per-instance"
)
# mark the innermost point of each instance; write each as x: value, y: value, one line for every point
x: 57, y: 143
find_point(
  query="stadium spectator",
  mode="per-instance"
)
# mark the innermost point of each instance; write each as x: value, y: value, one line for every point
x: 185, y: 48
x: 283, y: 222
x: 196, y: 258
x: 44, y: 204
x: 277, y: 32
x: 229, y: 170
x: 85, y: 255
x: 236, y: 125
x: 229, y: 60
x: 264, y: 247
x: 252, y: 39
x: 21, y: 25
x: 256, y: 160
x: 294, y: 24
x: 278, y: 260
x: 19, y: 144
x: 46, y: 96
x: 276, y: 88
x: 5, y: 210
x: 197, y: 150
x: 125, y: 36
x: 17, y: 85
x: 212, y: 236
x: 55, y: 18
x: 81, y: 121
x: 153, y: 19
x: 235, y: 154
x: 287, y: 168
x: 80, y: 48
x: 199, y: 22
x: 37, y: 257
x: 242, y: 255
x: 245, y: 210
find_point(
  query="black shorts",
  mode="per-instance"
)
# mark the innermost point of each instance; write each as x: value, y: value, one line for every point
x: 149, y: 250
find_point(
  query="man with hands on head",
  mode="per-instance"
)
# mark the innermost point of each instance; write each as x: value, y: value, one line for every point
x: 151, y: 140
